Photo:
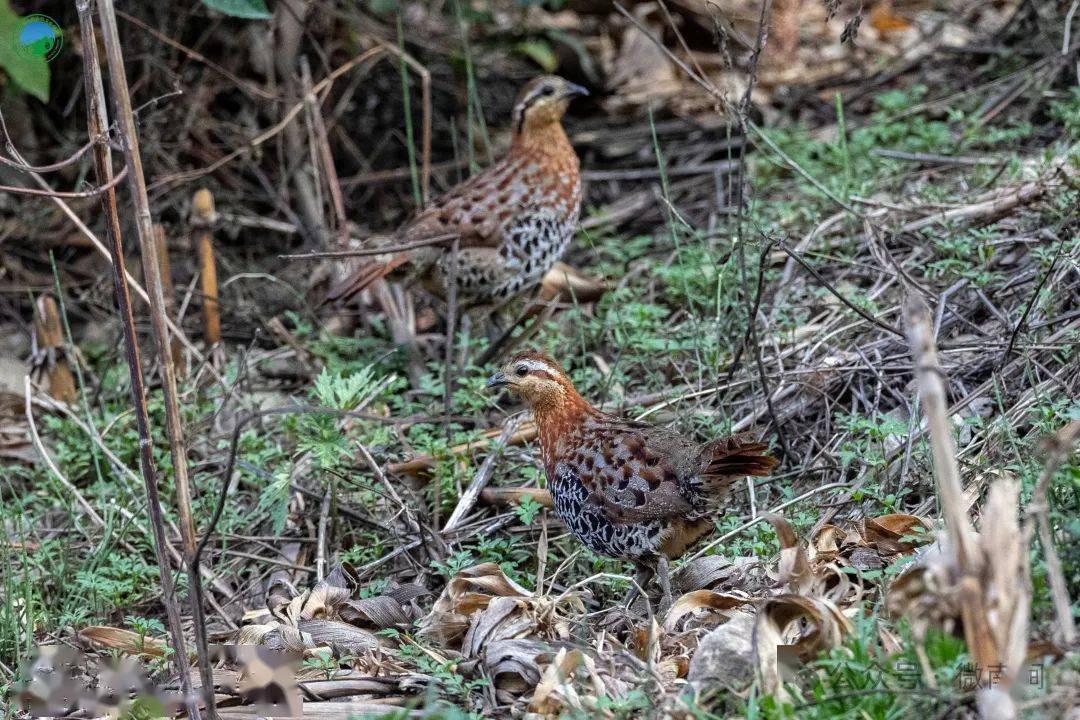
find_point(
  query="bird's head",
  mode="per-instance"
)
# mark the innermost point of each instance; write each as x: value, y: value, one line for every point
x: 537, y: 378
x: 543, y: 102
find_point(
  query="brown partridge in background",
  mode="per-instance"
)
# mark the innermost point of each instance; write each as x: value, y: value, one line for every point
x: 513, y: 221
x: 626, y: 489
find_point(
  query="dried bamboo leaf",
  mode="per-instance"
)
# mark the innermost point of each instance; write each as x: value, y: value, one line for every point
x: 469, y: 591
x: 885, y: 532
x: 339, y: 634
x: 703, y: 608
x: 807, y: 625
x: 555, y: 691
x: 794, y: 569
x: 101, y: 637
x: 274, y: 635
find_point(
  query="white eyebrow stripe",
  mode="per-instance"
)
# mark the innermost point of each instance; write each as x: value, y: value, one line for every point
x: 537, y: 365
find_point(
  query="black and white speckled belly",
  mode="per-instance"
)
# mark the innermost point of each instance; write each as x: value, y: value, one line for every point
x: 590, y: 525
x: 530, y: 247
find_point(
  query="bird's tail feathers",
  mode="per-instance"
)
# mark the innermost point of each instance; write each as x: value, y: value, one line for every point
x: 363, y: 278
x: 730, y: 459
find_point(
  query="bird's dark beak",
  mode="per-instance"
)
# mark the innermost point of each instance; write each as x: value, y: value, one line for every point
x: 572, y: 90
x: 497, y: 380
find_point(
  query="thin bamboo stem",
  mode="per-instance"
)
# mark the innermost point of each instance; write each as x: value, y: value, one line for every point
x: 128, y: 137
x: 175, y: 348
x: 97, y: 121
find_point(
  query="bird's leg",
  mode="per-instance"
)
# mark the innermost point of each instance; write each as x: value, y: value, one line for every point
x: 663, y: 575
x: 641, y: 578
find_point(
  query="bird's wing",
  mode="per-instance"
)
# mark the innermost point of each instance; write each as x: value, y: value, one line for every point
x: 475, y: 211
x: 634, y: 473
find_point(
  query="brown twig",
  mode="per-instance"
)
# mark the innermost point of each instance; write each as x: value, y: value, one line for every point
x: 97, y: 121
x: 480, y: 479
x: 105, y: 252
x: 368, y: 252
x: 326, y: 157
x: 836, y: 293
x: 96, y: 192
x: 930, y: 377
x: 274, y: 129
x: 1031, y: 303
x: 128, y: 137
x: 53, y: 167
x: 245, y: 86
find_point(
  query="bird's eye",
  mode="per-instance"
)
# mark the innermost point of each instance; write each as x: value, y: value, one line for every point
x: 547, y: 90
x: 521, y: 371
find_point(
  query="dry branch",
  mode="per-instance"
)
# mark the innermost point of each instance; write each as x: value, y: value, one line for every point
x: 480, y: 479
x: 930, y: 377
x: 105, y: 252
x: 985, y: 576
x: 96, y: 192
x: 419, y: 464
x: 515, y: 496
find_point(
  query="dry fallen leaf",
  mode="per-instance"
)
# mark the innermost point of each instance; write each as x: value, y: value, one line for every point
x: 808, y: 625
x: 565, y: 283
x: 469, y: 591
x: 640, y: 72
x: 892, y: 534
x: 703, y: 609
x: 326, y: 616
x: 555, y: 691
x: 794, y: 569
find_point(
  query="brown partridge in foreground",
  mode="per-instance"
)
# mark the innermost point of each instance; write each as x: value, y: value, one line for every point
x: 512, y: 222
x: 624, y: 488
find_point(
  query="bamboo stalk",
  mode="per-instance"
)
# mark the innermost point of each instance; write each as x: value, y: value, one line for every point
x: 175, y: 348
x: 128, y: 138
x: 202, y: 220
x: 97, y: 122
x: 50, y: 339
x: 970, y: 561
